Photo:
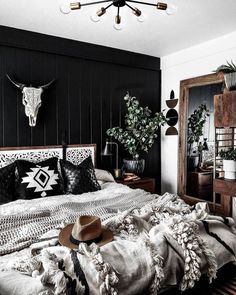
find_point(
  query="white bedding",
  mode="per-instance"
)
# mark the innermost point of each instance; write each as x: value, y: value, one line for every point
x: 151, y: 249
x: 109, y: 190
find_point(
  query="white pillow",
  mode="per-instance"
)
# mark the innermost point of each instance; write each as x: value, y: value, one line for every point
x: 103, y: 175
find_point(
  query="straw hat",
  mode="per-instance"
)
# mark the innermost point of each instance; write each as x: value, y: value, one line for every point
x: 86, y: 229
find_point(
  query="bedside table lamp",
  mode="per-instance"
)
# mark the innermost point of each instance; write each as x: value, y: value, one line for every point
x: 107, y: 152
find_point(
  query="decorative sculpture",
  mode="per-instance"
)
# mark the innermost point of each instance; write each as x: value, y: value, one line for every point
x: 31, y: 99
x: 172, y: 114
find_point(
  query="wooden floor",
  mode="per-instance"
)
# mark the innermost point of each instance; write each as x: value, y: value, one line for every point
x: 225, y: 284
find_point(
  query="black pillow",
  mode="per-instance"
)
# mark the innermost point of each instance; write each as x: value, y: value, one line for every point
x: 7, y: 183
x: 79, y: 179
x: 37, y: 179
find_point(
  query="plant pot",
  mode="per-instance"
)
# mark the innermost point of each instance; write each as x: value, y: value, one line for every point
x: 229, y: 167
x: 134, y: 166
x: 230, y: 81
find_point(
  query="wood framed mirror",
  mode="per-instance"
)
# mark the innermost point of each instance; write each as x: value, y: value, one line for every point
x: 195, y: 183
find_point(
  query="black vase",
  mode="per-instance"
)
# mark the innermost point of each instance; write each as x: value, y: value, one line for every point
x: 134, y: 166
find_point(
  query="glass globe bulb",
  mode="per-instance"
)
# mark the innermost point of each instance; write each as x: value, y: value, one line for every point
x: 118, y: 27
x: 65, y: 8
x: 141, y: 18
x: 171, y: 9
x: 95, y: 18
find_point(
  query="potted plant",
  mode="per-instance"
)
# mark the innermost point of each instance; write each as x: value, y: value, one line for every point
x: 229, y: 71
x: 139, y: 134
x: 196, y: 123
x: 229, y: 163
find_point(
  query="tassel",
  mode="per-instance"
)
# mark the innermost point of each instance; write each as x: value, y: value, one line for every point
x: 106, y: 276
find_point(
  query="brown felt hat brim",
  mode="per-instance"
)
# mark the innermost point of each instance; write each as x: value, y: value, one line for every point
x: 64, y: 237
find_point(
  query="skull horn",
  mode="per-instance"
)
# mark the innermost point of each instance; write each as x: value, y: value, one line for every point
x: 18, y: 85
x: 46, y: 85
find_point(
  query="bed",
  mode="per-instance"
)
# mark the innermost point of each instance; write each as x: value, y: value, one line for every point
x: 159, y: 241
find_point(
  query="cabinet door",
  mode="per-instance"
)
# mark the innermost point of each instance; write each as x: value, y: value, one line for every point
x: 225, y: 109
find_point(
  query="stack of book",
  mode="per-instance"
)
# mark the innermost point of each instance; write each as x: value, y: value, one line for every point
x: 131, y: 177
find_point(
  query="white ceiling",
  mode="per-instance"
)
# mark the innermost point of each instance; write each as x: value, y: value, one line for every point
x: 196, y: 21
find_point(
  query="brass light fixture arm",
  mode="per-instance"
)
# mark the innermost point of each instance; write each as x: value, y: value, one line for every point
x: 135, y: 10
x: 97, y: 2
x: 108, y: 6
x: 159, y: 5
x: 118, y: 18
x: 130, y: 6
x: 140, y: 2
x: 103, y: 10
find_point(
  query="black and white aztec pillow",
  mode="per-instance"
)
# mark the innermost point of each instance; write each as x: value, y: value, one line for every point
x: 37, y: 180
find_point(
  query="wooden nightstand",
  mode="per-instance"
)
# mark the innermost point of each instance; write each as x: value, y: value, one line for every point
x: 145, y: 183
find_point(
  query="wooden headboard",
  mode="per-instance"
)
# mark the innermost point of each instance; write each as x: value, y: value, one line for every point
x: 75, y: 153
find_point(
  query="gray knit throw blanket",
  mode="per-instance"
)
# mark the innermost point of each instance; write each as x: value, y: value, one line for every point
x: 19, y: 231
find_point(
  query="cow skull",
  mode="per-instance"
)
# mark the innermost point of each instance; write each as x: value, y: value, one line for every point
x: 31, y: 99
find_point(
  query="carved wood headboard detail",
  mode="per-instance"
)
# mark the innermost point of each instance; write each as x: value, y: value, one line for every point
x: 75, y: 153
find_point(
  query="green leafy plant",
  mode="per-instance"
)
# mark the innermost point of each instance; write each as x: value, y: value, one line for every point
x: 228, y: 155
x: 195, y: 126
x: 141, y: 128
x: 227, y: 68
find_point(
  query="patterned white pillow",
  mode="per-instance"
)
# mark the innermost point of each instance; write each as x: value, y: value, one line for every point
x: 103, y: 175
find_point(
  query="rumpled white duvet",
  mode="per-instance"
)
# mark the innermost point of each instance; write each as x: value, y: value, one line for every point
x: 159, y: 242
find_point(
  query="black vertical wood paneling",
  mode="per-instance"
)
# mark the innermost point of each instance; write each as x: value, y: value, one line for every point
x: 9, y: 100
x: 36, y: 79
x: 63, y: 98
x: 21, y: 73
x: 50, y: 97
x: 95, y: 103
x: 2, y: 116
x: 75, y: 99
x: 86, y: 98
x: 106, y: 80
x: 85, y: 101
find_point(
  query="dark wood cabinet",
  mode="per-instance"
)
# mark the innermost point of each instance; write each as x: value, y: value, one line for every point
x: 227, y: 190
x: 145, y: 183
x: 225, y: 109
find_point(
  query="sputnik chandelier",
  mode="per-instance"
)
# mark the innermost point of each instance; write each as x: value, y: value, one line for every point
x: 170, y: 9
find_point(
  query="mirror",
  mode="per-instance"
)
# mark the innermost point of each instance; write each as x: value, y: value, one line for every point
x: 197, y: 138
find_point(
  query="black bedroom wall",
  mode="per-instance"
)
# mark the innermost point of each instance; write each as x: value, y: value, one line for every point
x: 85, y: 100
